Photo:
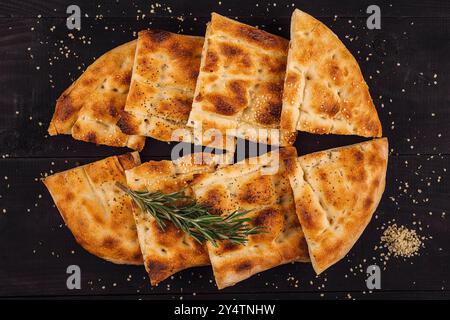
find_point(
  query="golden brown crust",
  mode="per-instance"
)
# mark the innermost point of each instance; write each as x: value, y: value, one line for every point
x: 97, y: 212
x: 336, y: 192
x: 162, y: 87
x: 90, y: 108
x: 324, y: 90
x: 167, y: 252
x: 247, y: 186
x: 165, y: 70
x: 239, y: 88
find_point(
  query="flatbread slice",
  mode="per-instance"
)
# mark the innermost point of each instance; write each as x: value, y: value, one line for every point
x: 90, y: 108
x: 260, y: 185
x: 169, y: 251
x: 239, y: 88
x: 324, y: 90
x: 162, y: 88
x: 336, y: 192
x: 99, y: 214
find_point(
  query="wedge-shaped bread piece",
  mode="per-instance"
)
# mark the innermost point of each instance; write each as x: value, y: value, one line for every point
x: 90, y: 108
x: 162, y: 85
x: 324, y: 90
x: 260, y: 185
x: 169, y: 251
x: 336, y: 192
x: 97, y: 212
x: 239, y: 88
x: 162, y: 88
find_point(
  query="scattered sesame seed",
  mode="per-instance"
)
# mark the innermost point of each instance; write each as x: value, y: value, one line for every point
x: 401, y: 241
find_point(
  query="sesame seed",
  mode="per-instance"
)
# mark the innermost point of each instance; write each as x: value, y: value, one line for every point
x: 401, y: 241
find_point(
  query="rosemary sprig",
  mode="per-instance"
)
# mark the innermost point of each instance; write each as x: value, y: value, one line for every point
x: 193, y: 217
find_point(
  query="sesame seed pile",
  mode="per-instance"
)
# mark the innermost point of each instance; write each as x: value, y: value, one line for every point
x: 401, y: 241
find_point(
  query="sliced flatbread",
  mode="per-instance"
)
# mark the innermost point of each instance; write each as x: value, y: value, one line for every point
x: 162, y: 88
x: 169, y: 251
x: 260, y: 185
x: 97, y: 212
x: 239, y: 88
x: 336, y: 192
x: 324, y: 90
x: 90, y: 108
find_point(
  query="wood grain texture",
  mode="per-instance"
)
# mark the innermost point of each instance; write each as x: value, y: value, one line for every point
x: 405, y: 65
x: 324, y: 8
x: 400, y: 72
x: 48, y: 247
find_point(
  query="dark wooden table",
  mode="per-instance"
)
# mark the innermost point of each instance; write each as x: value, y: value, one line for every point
x: 406, y: 64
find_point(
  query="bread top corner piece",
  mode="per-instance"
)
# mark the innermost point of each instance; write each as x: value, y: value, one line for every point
x: 324, y: 90
x: 90, y: 108
x: 239, y: 88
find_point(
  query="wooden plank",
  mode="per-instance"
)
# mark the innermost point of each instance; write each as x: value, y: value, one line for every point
x: 404, y: 62
x: 36, y: 248
x: 173, y: 8
x: 281, y: 297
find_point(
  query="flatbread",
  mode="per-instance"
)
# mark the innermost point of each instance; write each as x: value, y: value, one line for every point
x: 97, y: 212
x: 255, y: 184
x: 162, y: 88
x: 167, y: 252
x: 90, y: 108
x: 336, y: 192
x: 324, y: 90
x: 239, y: 88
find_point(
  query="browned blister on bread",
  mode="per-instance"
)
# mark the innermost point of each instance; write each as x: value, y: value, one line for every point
x: 97, y: 212
x: 90, y: 108
x: 239, y: 88
x: 336, y: 193
x: 324, y: 90
x: 261, y: 186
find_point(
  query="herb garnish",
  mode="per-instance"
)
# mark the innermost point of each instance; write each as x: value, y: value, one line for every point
x: 194, y: 217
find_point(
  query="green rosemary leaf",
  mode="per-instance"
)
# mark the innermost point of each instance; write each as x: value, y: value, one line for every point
x: 193, y: 217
